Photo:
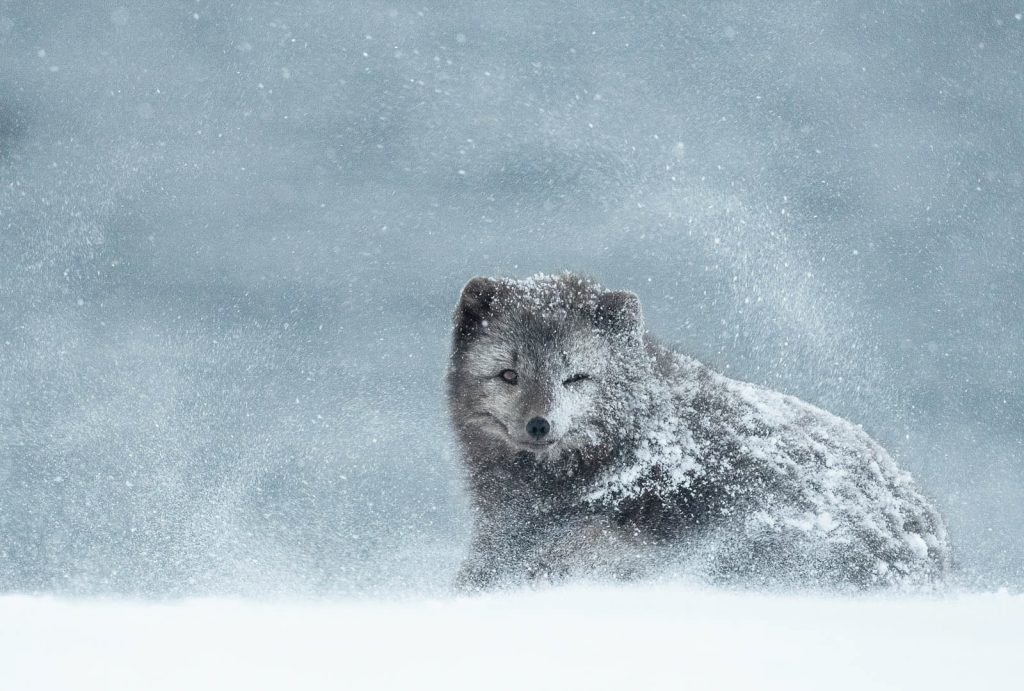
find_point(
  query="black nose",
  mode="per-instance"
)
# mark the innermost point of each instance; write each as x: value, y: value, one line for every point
x: 538, y: 428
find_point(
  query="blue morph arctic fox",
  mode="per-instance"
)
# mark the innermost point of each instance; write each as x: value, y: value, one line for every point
x: 592, y: 451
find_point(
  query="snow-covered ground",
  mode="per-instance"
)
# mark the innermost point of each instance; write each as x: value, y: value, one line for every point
x: 581, y: 637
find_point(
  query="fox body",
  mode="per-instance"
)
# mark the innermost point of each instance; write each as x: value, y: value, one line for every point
x: 592, y: 451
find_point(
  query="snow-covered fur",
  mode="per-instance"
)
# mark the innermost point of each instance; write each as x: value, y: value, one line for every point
x: 649, y: 462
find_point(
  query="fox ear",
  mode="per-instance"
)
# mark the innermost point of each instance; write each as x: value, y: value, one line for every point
x: 619, y: 311
x: 474, y: 307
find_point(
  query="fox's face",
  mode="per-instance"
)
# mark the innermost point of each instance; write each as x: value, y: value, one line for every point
x: 543, y: 365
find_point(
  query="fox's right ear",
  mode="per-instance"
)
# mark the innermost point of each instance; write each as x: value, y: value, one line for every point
x: 474, y: 307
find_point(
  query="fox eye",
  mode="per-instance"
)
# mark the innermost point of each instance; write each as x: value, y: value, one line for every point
x: 509, y: 376
x: 578, y: 377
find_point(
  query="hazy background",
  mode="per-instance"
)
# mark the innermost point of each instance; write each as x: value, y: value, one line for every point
x: 231, y: 235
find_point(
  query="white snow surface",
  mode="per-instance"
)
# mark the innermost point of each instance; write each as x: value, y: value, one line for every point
x: 585, y: 636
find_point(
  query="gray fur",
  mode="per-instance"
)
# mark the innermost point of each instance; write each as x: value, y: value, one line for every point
x: 660, y: 464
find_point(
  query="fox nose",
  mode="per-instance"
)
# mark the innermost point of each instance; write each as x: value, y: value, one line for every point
x: 538, y: 427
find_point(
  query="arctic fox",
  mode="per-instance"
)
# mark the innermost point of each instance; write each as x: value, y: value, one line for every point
x: 592, y: 451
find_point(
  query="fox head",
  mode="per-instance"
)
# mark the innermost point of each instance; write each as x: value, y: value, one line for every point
x: 546, y: 366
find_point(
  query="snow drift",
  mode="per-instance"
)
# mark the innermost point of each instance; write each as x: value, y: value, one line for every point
x: 664, y: 636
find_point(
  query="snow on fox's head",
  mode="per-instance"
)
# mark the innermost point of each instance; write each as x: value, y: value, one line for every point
x: 543, y: 364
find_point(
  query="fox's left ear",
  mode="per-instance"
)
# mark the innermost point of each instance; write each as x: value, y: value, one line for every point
x: 619, y: 311
x: 474, y: 307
